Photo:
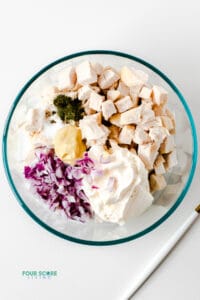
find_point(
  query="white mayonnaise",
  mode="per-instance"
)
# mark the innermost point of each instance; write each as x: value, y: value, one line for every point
x: 118, y: 188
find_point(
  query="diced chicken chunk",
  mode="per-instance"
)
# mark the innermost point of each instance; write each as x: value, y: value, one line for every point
x: 141, y: 136
x: 159, y: 167
x: 142, y: 113
x: 168, y: 145
x: 147, y: 113
x: 130, y: 77
x: 85, y: 73
x: 167, y: 122
x: 97, y: 67
x: 152, y: 123
x: 159, y: 110
x: 92, y: 131
x: 124, y: 104
x: 159, y: 121
x: 76, y: 87
x: 145, y: 93
x: 135, y: 90
x: 66, y: 78
x: 133, y: 150
x: 123, y: 89
x: 113, y: 95
x: 171, y: 160
x: 84, y: 92
x: 72, y: 94
x: 134, y: 98
x: 114, y: 133
x: 158, y: 134
x: 147, y: 102
x: 171, y: 116
x: 132, y: 116
x: 157, y: 182
x: 127, y: 134
x: 96, y: 88
x: 107, y: 78
x: 94, y: 117
x: 160, y: 95
x: 148, y: 153
x: 34, y: 120
x: 108, y: 109
x: 88, y: 110
x: 95, y: 101
x: 116, y: 120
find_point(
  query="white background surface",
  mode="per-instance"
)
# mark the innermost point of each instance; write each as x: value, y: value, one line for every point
x: 33, y: 33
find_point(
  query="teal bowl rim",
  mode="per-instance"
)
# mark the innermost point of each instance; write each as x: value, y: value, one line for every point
x: 155, y: 224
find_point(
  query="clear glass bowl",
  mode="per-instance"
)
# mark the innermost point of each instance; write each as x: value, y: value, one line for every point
x: 179, y: 179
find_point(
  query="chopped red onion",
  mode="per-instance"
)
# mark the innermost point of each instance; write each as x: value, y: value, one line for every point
x: 60, y: 184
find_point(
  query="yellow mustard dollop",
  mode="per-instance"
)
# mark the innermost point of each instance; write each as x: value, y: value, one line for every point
x: 68, y: 144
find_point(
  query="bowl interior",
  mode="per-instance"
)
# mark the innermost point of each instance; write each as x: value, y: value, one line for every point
x: 178, y: 180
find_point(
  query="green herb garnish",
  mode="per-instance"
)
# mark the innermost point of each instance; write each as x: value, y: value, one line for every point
x: 68, y: 109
